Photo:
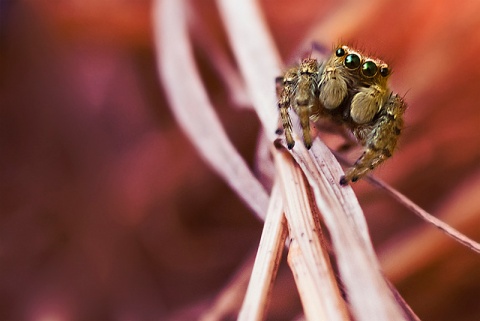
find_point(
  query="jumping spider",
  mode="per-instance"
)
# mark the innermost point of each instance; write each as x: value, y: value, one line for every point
x: 351, y: 89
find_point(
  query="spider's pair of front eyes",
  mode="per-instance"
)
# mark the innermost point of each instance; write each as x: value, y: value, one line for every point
x: 369, y: 68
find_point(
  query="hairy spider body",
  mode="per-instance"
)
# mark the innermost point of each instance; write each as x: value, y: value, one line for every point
x: 351, y: 89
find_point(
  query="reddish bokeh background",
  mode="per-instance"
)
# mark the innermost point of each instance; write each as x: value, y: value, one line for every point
x: 108, y: 213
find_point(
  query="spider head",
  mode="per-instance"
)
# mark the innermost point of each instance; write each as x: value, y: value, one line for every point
x: 361, y: 65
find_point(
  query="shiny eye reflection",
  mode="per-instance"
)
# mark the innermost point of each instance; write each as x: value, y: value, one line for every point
x: 340, y: 52
x: 384, y: 71
x: 352, y: 61
x: 369, y: 69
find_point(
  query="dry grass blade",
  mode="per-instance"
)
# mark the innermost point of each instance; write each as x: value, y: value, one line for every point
x: 409, y: 314
x: 414, y: 208
x: 308, y: 255
x: 258, y: 60
x: 423, y: 246
x: 369, y: 295
x: 190, y: 104
x: 220, y: 62
x: 442, y: 226
x: 266, y: 262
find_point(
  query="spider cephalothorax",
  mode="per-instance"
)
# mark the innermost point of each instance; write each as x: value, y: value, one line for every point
x: 350, y: 88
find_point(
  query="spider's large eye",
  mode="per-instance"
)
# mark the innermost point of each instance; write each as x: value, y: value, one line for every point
x: 340, y: 52
x: 369, y: 69
x: 352, y: 61
x: 384, y: 71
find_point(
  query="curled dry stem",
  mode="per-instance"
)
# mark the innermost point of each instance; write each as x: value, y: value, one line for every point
x: 369, y: 295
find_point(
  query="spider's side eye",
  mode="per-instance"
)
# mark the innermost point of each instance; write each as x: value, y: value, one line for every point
x: 369, y: 69
x: 384, y: 71
x: 352, y: 61
x: 340, y: 52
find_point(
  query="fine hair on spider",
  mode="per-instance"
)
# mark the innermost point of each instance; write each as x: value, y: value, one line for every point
x: 350, y: 88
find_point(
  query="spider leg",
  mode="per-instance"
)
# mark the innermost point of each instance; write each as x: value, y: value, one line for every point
x: 369, y: 160
x: 306, y: 101
x: 285, y: 88
x: 279, y: 88
x: 380, y: 141
x: 367, y: 103
x: 287, y: 125
x: 304, y: 114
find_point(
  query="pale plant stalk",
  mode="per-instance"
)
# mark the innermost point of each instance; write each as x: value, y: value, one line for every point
x: 308, y: 255
x: 405, y: 254
x: 414, y: 208
x: 446, y: 228
x: 259, y: 64
x: 266, y: 263
x: 192, y: 107
x: 370, y: 296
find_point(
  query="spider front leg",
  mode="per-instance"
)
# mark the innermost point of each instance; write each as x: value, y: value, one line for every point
x: 380, y: 139
x: 285, y: 90
x: 304, y: 115
x: 306, y: 103
x: 367, y: 103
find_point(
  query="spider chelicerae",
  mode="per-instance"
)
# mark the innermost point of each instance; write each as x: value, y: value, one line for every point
x: 350, y: 89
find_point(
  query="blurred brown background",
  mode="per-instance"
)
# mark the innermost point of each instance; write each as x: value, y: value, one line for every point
x: 108, y: 213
